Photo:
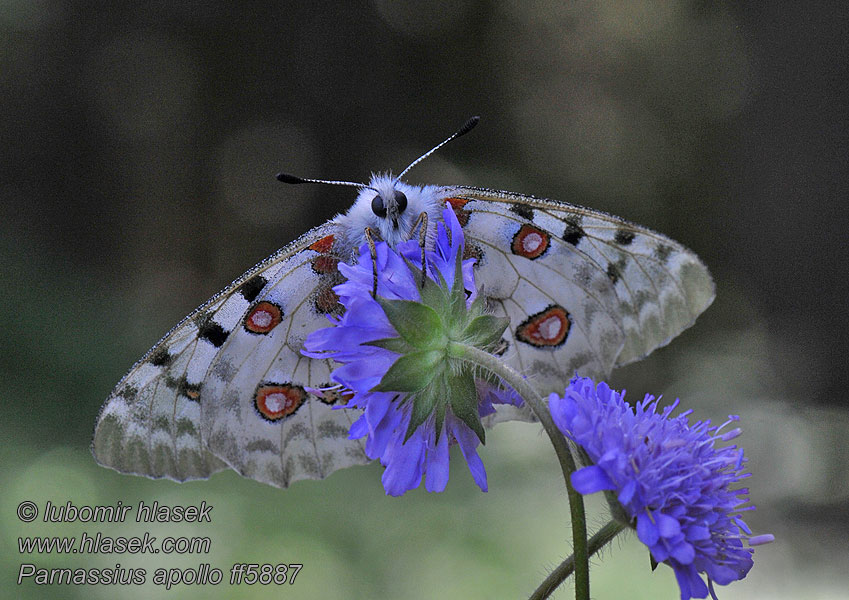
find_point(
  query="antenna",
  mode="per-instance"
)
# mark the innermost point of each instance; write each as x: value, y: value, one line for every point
x: 286, y: 178
x: 466, y: 128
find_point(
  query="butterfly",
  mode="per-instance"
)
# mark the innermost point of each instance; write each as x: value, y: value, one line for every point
x: 228, y: 387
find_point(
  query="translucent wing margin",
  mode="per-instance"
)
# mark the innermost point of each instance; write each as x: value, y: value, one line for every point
x: 149, y: 425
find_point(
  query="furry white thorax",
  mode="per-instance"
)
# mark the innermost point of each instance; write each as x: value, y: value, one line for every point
x: 420, y: 199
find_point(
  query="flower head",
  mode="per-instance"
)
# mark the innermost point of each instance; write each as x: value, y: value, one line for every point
x: 395, y: 350
x: 668, y: 478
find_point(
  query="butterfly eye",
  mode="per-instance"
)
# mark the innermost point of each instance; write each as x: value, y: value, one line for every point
x: 401, y: 201
x: 377, y: 206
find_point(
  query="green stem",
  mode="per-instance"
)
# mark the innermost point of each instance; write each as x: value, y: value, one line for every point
x: 561, y: 448
x: 564, y: 569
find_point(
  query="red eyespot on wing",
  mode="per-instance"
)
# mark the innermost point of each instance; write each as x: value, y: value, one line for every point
x: 462, y: 214
x: 457, y: 202
x: 323, y: 245
x: 263, y: 317
x: 545, y: 329
x: 332, y: 394
x: 530, y: 242
x: 324, y: 264
x: 327, y: 302
x: 275, y: 401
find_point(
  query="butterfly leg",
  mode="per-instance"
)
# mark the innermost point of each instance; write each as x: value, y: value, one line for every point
x: 370, y: 235
x: 421, y: 220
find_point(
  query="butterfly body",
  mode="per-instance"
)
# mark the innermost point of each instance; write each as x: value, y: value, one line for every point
x: 228, y: 387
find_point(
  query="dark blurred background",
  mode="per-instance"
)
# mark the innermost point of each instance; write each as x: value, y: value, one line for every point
x: 139, y: 144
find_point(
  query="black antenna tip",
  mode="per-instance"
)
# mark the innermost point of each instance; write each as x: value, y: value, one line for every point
x: 286, y: 178
x: 468, y: 126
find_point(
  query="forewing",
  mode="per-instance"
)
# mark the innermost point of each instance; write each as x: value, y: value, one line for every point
x: 624, y: 290
x: 151, y: 423
x: 264, y: 421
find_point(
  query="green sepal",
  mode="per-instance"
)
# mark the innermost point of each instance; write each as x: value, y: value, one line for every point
x: 617, y: 511
x: 463, y: 397
x: 425, y: 403
x: 440, y: 280
x: 394, y: 344
x: 478, y: 305
x: 412, y: 372
x: 457, y: 312
x: 417, y: 324
x: 432, y: 294
x: 457, y: 284
x: 485, y: 330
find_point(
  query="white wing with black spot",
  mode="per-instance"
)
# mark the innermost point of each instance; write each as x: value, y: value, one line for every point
x: 585, y: 291
x: 263, y: 422
x: 168, y: 418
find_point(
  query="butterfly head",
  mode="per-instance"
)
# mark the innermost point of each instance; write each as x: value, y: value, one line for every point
x: 388, y: 207
x: 388, y: 202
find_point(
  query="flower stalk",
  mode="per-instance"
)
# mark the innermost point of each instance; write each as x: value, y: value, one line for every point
x: 598, y: 541
x: 561, y: 448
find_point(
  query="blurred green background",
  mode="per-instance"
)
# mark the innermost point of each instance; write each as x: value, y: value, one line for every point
x: 139, y: 144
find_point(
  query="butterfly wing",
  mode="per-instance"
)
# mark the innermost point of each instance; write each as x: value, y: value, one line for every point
x: 172, y: 417
x: 585, y: 291
x: 227, y: 387
x: 265, y: 422
x: 150, y: 424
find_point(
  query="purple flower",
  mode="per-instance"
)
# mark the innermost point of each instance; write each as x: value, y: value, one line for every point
x: 418, y: 398
x: 675, y: 487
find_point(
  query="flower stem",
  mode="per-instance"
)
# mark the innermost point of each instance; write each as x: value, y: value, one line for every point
x: 561, y: 448
x: 564, y: 569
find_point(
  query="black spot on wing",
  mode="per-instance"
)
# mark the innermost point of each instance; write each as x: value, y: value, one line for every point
x: 523, y: 210
x: 325, y: 300
x: 613, y: 272
x: 472, y: 250
x: 183, y: 387
x: 212, y: 332
x: 331, y: 394
x: 189, y: 390
x: 624, y: 237
x: 161, y: 357
x: 573, y: 232
x: 129, y: 392
x: 252, y: 287
x: 662, y: 252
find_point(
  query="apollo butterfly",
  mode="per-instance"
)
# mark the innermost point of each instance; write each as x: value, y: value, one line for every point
x: 228, y: 387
